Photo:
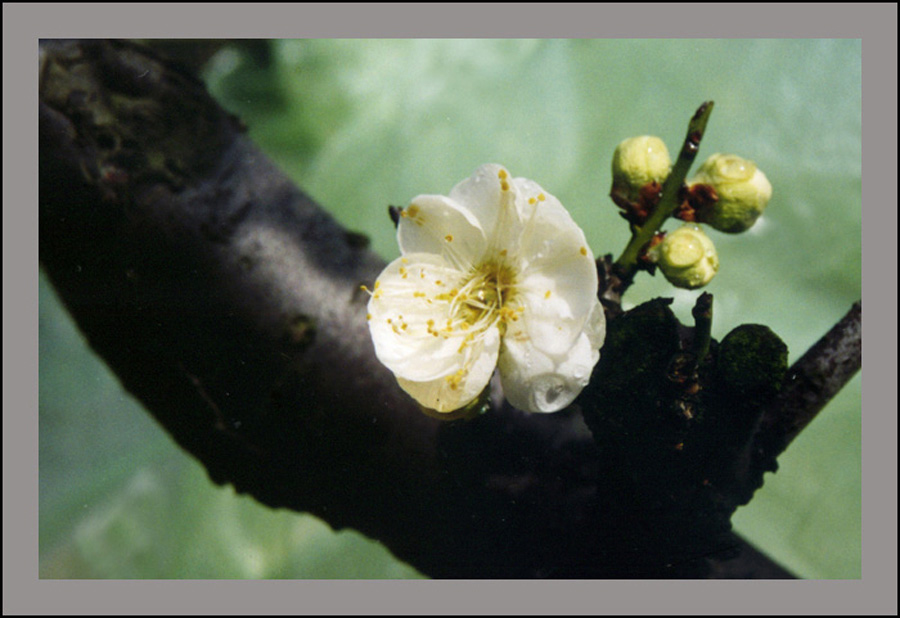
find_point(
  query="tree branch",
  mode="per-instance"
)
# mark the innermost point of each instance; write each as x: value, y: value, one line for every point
x: 229, y: 304
x: 811, y: 383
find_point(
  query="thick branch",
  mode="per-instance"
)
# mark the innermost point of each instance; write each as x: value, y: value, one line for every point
x: 229, y: 304
x: 811, y: 383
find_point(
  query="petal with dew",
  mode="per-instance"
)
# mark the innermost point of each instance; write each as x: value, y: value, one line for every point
x: 538, y: 382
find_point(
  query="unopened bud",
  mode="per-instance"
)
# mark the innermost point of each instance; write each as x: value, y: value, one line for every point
x: 637, y: 162
x: 686, y: 257
x: 743, y: 192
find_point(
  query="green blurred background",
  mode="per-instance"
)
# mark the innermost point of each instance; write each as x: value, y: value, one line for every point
x: 360, y: 124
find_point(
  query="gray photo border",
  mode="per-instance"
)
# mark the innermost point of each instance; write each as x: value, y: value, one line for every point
x: 23, y: 24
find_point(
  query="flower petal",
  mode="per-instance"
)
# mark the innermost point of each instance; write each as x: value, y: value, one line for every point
x: 558, y: 299
x: 595, y: 327
x: 456, y: 390
x: 535, y: 381
x: 409, y: 318
x: 439, y: 225
x: 484, y: 195
x: 558, y: 276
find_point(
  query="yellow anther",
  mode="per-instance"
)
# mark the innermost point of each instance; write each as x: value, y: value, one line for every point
x: 583, y: 251
x: 532, y: 201
x: 507, y: 314
x: 368, y: 316
x: 504, y: 185
x: 456, y: 379
x: 418, y: 294
x: 541, y: 197
x: 502, y: 174
x: 547, y: 294
x: 449, y: 237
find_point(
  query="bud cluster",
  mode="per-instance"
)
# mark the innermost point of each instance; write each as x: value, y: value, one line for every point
x: 728, y: 193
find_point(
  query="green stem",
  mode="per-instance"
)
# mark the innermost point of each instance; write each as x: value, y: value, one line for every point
x: 628, y: 261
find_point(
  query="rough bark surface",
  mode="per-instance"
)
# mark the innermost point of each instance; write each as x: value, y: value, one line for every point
x: 230, y: 305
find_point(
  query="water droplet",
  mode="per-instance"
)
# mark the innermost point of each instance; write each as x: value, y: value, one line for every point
x: 550, y: 392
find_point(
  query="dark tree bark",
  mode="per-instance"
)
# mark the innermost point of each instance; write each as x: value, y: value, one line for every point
x: 229, y: 304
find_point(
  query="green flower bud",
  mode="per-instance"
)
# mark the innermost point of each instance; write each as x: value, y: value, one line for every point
x: 743, y: 192
x: 687, y: 257
x: 637, y: 162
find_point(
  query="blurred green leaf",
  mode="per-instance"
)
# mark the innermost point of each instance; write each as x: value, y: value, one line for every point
x: 363, y: 124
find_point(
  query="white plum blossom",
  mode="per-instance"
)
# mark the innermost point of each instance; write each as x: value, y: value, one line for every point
x: 497, y: 274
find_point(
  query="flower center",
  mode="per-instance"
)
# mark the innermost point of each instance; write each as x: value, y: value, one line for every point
x: 487, y: 297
